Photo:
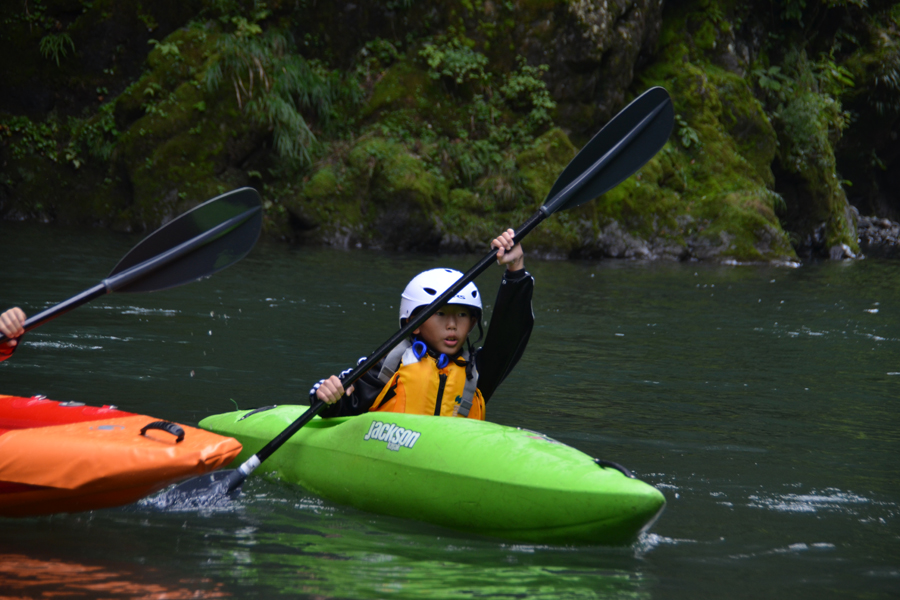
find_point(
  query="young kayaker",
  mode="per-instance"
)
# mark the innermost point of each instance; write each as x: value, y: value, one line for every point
x: 436, y: 372
x: 12, y: 323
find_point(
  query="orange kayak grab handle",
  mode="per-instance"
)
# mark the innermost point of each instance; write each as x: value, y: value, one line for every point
x: 172, y: 428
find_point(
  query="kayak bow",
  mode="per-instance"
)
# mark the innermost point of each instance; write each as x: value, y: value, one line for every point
x: 68, y: 457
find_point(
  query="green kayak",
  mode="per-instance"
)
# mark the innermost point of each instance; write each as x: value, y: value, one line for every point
x: 464, y: 474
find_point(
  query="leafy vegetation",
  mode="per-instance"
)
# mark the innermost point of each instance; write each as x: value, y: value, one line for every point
x: 277, y: 87
x: 53, y: 46
x: 433, y: 121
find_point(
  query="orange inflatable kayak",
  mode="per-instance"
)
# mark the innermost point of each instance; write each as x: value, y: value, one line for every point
x: 68, y: 457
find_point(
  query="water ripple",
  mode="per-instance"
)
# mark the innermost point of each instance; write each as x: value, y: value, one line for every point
x: 830, y: 499
x: 61, y: 346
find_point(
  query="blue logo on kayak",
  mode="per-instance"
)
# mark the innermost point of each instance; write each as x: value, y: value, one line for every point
x: 394, y: 435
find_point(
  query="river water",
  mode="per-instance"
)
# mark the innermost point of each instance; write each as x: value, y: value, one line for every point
x: 761, y: 400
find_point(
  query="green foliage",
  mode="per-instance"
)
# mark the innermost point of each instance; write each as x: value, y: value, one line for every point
x: 53, y: 46
x: 456, y: 61
x: 812, y: 120
x: 686, y: 134
x: 833, y: 79
x: 149, y: 22
x: 473, y: 130
x: 885, y: 97
x: 377, y: 54
x: 241, y: 17
x: 796, y: 10
x: 95, y: 137
x: 32, y: 138
x: 277, y: 87
x: 525, y: 90
x: 73, y: 141
x: 774, y: 82
x: 792, y: 10
x: 166, y: 48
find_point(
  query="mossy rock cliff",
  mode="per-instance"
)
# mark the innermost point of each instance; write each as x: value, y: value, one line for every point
x: 433, y: 125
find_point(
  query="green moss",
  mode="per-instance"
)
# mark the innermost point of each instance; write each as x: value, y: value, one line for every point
x: 176, y: 153
x: 455, y: 138
x: 710, y: 197
x: 705, y: 36
x: 401, y: 184
x: 544, y: 161
x: 811, y: 123
x: 400, y: 86
x: 323, y: 185
x: 465, y: 200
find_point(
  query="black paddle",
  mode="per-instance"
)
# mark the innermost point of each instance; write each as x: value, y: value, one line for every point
x: 202, y: 241
x: 623, y: 146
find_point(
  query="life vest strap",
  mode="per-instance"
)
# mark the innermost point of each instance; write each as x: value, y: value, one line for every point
x: 465, y: 404
x: 393, y: 360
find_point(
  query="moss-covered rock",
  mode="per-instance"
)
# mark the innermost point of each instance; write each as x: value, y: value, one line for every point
x: 817, y: 207
x: 434, y: 125
x: 868, y: 154
x: 186, y: 145
x: 707, y: 194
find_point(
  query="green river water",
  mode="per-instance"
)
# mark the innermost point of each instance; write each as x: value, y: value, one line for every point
x: 761, y: 400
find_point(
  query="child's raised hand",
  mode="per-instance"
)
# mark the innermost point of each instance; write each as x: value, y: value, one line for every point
x: 12, y: 325
x: 508, y: 252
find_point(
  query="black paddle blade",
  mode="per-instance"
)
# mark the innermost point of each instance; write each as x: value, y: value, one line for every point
x: 623, y: 146
x: 242, y: 207
x: 206, y: 491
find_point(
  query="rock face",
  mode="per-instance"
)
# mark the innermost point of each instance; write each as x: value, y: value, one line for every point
x: 431, y: 125
x: 593, y: 49
x: 879, y: 237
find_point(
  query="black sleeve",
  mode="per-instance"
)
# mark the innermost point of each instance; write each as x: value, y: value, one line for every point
x: 365, y: 391
x: 508, y: 332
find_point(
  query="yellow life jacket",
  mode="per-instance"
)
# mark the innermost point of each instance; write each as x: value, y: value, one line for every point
x: 420, y: 387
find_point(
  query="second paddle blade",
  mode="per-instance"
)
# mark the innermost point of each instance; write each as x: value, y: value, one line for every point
x: 212, y: 490
x: 216, y: 254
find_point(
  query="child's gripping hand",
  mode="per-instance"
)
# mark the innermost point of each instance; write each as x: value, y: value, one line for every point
x: 508, y: 252
x: 12, y: 325
x: 330, y: 390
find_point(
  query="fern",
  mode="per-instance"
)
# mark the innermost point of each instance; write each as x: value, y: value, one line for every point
x: 53, y: 46
x: 277, y: 87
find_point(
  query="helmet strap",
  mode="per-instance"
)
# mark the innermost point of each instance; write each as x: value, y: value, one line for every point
x: 480, y: 333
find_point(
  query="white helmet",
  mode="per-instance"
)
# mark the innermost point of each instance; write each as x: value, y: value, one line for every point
x: 428, y: 285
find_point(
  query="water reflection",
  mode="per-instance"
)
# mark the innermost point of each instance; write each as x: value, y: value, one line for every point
x: 309, y: 548
x: 23, y: 576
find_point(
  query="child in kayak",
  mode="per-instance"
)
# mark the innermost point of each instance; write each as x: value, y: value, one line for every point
x: 12, y: 323
x: 436, y: 372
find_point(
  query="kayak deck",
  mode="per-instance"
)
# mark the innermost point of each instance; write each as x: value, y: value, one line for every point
x: 464, y: 474
x: 68, y: 457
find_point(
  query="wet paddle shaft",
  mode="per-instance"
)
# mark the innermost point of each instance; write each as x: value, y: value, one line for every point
x: 623, y: 146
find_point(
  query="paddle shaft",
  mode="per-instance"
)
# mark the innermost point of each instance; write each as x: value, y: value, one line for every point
x: 129, y: 276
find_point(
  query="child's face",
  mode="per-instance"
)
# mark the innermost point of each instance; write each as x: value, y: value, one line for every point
x: 447, y: 329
